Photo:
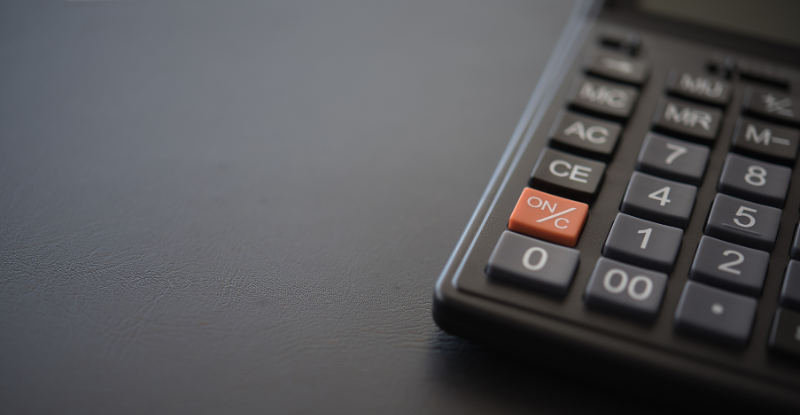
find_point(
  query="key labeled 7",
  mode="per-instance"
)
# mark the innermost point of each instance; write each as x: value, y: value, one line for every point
x: 548, y: 217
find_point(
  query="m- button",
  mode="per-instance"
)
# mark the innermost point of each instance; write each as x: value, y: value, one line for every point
x: 570, y: 176
x: 548, y: 217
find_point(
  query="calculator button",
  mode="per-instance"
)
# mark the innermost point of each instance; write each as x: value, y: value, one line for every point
x: 715, y: 314
x: 643, y: 243
x: 796, y: 245
x: 767, y: 141
x: 585, y: 135
x: 708, y: 89
x: 732, y: 267
x: 687, y: 119
x: 632, y: 291
x: 619, y: 68
x: 672, y: 159
x: 603, y: 97
x: 532, y: 263
x: 790, y: 291
x: 548, y: 217
x: 771, y: 105
x: 785, y: 334
x: 744, y: 223
x: 755, y: 180
x: 663, y: 201
x: 570, y: 176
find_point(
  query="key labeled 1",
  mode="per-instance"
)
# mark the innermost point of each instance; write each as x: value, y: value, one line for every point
x: 548, y: 217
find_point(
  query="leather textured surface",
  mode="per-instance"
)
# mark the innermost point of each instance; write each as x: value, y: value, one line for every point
x: 242, y: 206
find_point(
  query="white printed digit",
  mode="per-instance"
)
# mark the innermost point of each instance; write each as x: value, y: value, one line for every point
x: 741, y: 212
x: 526, y: 259
x: 677, y: 151
x: 728, y: 266
x: 646, y: 238
x: 664, y: 195
x: 756, y: 176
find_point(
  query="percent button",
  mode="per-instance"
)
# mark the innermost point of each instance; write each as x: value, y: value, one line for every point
x: 551, y: 218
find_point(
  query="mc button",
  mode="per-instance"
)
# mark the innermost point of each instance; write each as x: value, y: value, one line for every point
x: 567, y: 175
x: 548, y: 217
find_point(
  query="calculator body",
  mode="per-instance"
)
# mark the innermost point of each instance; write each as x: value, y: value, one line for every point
x: 563, y: 325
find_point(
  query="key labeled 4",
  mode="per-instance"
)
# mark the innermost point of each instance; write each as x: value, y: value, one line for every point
x: 551, y: 218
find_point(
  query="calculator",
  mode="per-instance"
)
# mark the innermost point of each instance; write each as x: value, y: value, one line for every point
x: 643, y: 220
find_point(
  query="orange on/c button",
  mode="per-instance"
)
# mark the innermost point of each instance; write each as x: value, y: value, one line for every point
x: 548, y: 217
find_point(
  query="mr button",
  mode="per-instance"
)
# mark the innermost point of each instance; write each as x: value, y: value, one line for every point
x: 548, y: 217
x: 567, y: 175
x: 688, y: 120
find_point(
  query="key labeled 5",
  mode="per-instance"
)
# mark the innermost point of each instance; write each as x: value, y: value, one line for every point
x: 548, y: 217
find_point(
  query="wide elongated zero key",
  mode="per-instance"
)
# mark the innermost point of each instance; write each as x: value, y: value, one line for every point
x: 552, y: 218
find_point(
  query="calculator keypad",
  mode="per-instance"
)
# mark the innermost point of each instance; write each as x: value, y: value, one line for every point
x: 672, y: 159
x: 729, y: 266
x: 766, y: 141
x: 703, y: 88
x: 790, y: 290
x: 686, y: 119
x: 755, y: 180
x: 715, y: 314
x: 643, y: 243
x: 619, y: 68
x: 530, y: 262
x: 585, y: 135
x: 632, y: 291
x: 570, y: 176
x: 603, y: 98
x: 771, y: 105
x: 744, y: 223
x: 659, y: 200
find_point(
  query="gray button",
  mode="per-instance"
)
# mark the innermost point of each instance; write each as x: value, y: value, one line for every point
x: 533, y: 263
x: 796, y: 245
x: 686, y: 119
x: 715, y: 314
x: 771, y: 105
x: 643, y: 243
x: 744, y: 223
x: 766, y: 141
x: 602, y: 97
x: 672, y: 159
x: 585, y: 135
x: 633, y: 291
x: 563, y: 174
x: 785, y: 334
x: 755, y: 180
x: 708, y: 89
x: 663, y: 201
x: 619, y: 68
x: 732, y: 267
x: 790, y: 291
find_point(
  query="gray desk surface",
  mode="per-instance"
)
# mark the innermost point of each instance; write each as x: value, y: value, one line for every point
x: 242, y: 206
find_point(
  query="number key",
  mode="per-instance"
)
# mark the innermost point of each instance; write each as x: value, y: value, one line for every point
x: 536, y: 264
x: 659, y: 200
x: 643, y: 243
x: 672, y: 159
x: 633, y: 291
x: 744, y: 223
x: 755, y: 180
x: 729, y: 266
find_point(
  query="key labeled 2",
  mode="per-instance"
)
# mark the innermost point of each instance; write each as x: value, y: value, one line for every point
x: 632, y: 291
x: 730, y: 266
x: 743, y: 222
x: 545, y: 216
x: 643, y: 243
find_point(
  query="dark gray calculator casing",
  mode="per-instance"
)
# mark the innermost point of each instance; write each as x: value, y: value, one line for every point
x: 563, y: 331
